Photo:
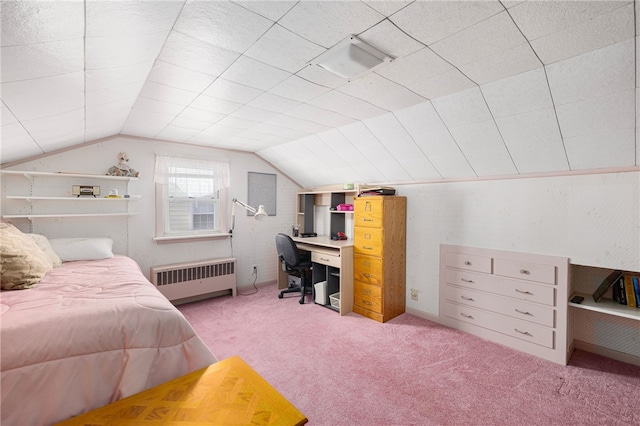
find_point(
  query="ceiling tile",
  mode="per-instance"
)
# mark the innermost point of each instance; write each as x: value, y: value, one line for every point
x: 211, y: 104
x: 63, y: 141
x: 109, y: 52
x: 327, y: 23
x: 176, y: 133
x: 387, y: 7
x: 319, y: 75
x: 22, y: 23
x: 250, y: 72
x: 119, y: 76
x: 462, y: 108
x: 390, y: 39
x: 26, y: 62
x: 538, y: 19
x: 237, y: 122
x: 194, y: 125
x: 441, y: 85
x: 222, y: 24
x: 169, y: 94
x: 493, y: 35
x: 297, y: 124
x: 601, y: 31
x: 369, y: 87
x: 195, y: 114
x: 145, y: 123
x: 397, y: 99
x: 534, y: 141
x: 346, y: 105
x: 601, y: 150
x: 598, y: 73
x: 319, y: 115
x: 430, y: 21
x: 52, y: 122
x: 158, y: 107
x: 109, y: 116
x: 298, y: 89
x: 113, y: 94
x: 218, y: 132
x: 118, y: 18
x: 6, y: 115
x: 605, y: 114
x: 182, y: 78
x: 426, y: 128
x: 342, y: 148
x: 484, y: 148
x: 196, y: 55
x: 504, y: 64
x: 44, y: 97
x: 234, y: 92
x: 283, y: 49
x: 518, y: 94
x: 273, y: 103
x: 279, y: 131
x: 417, y: 67
x: 61, y: 130
x: 273, y: 10
x: 16, y: 140
x: 254, y: 114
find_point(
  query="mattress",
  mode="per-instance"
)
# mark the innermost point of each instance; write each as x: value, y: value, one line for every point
x: 90, y: 333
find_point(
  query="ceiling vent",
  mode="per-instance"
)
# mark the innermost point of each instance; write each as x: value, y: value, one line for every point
x: 351, y: 58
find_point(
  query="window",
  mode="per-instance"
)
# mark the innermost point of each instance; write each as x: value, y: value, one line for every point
x: 190, y: 196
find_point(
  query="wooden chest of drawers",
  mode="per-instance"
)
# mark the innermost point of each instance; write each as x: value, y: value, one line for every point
x: 516, y: 299
x: 379, y: 256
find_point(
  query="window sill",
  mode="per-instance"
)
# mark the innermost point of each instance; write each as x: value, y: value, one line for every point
x: 189, y: 238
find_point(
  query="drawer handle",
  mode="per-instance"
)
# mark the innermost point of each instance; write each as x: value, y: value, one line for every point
x: 367, y: 292
x: 466, y: 280
x: 367, y: 236
x: 470, y: 299
x: 326, y: 260
x: 466, y: 316
x: 466, y: 262
x: 366, y: 275
x: 367, y: 247
x: 524, y: 292
x: 526, y: 333
x: 366, y: 302
x: 523, y: 312
x: 525, y: 271
x: 365, y: 219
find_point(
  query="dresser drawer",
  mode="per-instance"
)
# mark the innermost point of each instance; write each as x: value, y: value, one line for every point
x: 525, y: 271
x: 535, y: 313
x: 367, y: 296
x: 367, y: 241
x: 368, y: 269
x: 468, y: 262
x: 325, y: 259
x: 517, y: 289
x: 369, y: 212
x: 522, y: 330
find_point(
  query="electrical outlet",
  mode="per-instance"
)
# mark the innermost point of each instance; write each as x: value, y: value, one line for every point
x: 414, y: 294
x: 254, y: 269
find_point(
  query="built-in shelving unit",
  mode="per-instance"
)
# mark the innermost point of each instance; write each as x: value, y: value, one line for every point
x: 608, y: 307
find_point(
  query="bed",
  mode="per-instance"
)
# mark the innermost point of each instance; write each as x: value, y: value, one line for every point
x: 91, y: 332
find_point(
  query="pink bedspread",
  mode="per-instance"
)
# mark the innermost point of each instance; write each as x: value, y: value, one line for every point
x: 90, y: 333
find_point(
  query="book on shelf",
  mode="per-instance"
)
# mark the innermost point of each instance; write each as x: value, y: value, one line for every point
x: 606, y: 283
x: 636, y: 290
x: 629, y: 291
x: 619, y: 294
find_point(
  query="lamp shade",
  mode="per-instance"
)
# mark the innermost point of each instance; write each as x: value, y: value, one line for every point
x: 261, y: 214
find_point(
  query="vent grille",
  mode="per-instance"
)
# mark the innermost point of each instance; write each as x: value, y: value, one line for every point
x: 174, y: 276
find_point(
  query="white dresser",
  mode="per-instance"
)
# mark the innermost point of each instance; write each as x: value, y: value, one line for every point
x: 515, y: 299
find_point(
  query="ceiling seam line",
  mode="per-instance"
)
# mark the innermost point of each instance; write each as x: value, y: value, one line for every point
x: 546, y: 77
x: 25, y: 129
x: 416, y: 144
x: 455, y: 141
x: 386, y: 179
x: 387, y: 149
x: 495, y: 123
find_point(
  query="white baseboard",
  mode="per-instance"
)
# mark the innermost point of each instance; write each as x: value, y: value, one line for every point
x: 425, y: 315
x: 609, y: 353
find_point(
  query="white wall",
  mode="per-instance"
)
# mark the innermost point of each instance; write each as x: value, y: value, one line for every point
x: 252, y: 243
x: 592, y: 219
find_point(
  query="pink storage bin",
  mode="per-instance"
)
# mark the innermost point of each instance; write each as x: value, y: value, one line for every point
x: 345, y: 207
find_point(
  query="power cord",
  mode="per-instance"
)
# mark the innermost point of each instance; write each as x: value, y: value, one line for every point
x: 255, y: 272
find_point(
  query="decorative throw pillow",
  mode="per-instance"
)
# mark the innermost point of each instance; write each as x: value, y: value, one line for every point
x: 22, y: 262
x: 45, y: 246
x: 70, y: 249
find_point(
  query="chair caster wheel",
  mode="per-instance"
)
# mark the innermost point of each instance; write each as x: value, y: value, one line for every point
x: 280, y: 296
x: 301, y: 301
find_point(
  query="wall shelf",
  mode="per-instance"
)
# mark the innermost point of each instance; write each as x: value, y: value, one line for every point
x: 63, y: 174
x: 606, y: 306
x: 38, y: 216
x: 35, y: 198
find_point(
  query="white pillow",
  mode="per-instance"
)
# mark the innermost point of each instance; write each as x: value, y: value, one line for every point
x: 70, y: 249
x: 45, y: 246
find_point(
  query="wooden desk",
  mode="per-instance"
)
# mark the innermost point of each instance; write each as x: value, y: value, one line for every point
x: 329, y: 258
x: 228, y: 392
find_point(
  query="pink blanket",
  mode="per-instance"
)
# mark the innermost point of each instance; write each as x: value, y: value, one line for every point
x: 90, y: 333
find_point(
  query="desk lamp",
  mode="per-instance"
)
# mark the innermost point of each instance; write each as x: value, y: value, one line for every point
x: 259, y: 213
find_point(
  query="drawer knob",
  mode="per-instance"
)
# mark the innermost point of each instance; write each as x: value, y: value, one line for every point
x: 466, y: 280
x: 524, y: 292
x: 366, y: 302
x: 367, y: 292
x: 470, y: 299
x: 526, y: 333
x: 523, y: 312
x: 366, y: 275
x: 466, y: 316
x: 466, y: 262
x: 525, y: 271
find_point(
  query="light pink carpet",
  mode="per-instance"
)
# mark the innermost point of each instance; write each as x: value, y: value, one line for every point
x: 354, y: 371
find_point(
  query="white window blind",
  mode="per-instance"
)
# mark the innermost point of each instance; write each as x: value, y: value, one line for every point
x: 191, y: 194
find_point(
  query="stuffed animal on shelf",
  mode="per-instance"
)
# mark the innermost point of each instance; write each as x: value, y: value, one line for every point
x: 123, y: 169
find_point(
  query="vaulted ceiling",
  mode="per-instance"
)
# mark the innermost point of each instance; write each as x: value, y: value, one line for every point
x: 476, y: 89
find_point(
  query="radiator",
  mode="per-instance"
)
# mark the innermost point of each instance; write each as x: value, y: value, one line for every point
x: 182, y: 280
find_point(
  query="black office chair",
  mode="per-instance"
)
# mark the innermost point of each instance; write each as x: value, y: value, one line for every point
x: 293, y: 263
